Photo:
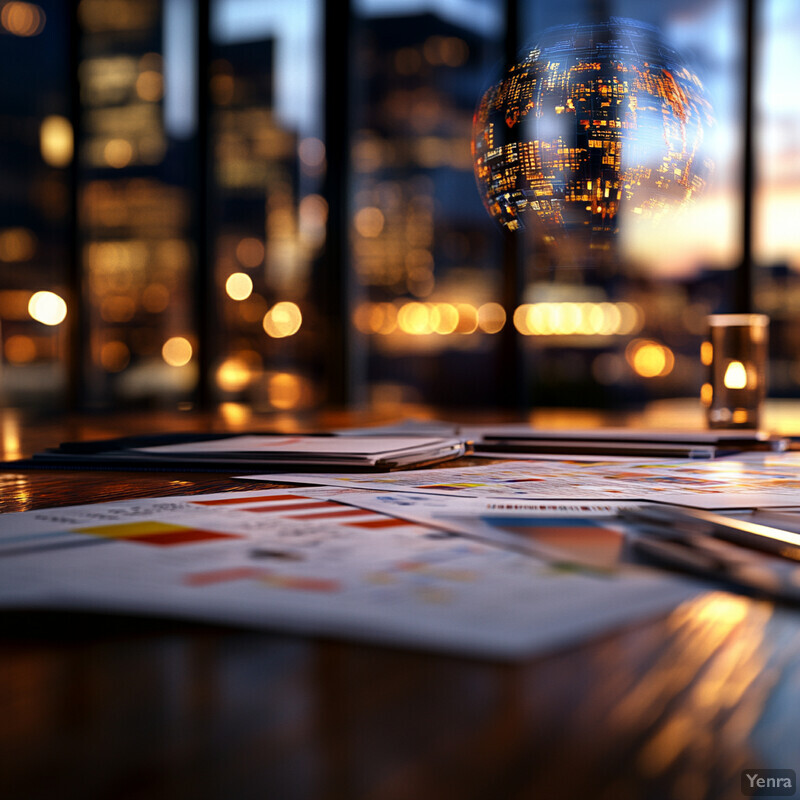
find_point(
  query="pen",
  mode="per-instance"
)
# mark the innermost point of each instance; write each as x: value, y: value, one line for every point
x: 756, y: 536
x: 662, y: 534
x: 712, y: 558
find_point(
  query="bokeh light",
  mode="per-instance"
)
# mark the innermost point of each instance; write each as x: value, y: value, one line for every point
x: 491, y: 317
x: 735, y: 375
x: 17, y: 244
x: 239, y: 286
x: 177, y: 351
x: 578, y: 319
x: 649, y: 359
x: 250, y: 251
x: 47, y: 308
x: 467, y: 318
x: 283, y: 319
x: 369, y: 222
x: 284, y: 390
x: 20, y: 349
x: 311, y: 152
x: 155, y: 298
x: 444, y: 318
x: 233, y: 374
x: 150, y: 86
x: 414, y: 318
x: 22, y: 19
x: 115, y: 356
x: 56, y: 140
x: 118, y: 153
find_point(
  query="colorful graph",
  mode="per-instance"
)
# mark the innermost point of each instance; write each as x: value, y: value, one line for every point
x: 297, y: 507
x: 159, y: 534
x: 588, y: 540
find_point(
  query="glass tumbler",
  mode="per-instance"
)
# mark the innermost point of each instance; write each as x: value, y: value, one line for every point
x: 736, y: 353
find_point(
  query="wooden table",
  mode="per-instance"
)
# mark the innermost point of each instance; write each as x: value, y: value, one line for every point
x: 95, y: 706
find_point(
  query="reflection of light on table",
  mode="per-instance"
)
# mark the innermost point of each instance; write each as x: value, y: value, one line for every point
x: 714, y: 661
x: 9, y: 430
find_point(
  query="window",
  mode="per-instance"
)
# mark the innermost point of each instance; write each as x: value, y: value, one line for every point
x: 228, y: 202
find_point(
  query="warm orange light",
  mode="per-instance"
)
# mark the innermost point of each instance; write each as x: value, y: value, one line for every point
x: 118, y: 308
x: 17, y: 244
x: 706, y: 353
x: 369, y: 222
x: 150, y: 86
x: 568, y: 318
x: 706, y: 394
x: 239, y: 286
x: 47, y: 308
x: 467, y: 318
x: 414, y: 318
x: 20, y: 349
x: 611, y: 319
x: 491, y: 317
x: 383, y: 318
x: 115, y: 356
x: 361, y: 317
x: 177, y: 351
x: 155, y: 298
x: 444, y: 318
x: 630, y: 319
x: 284, y: 390
x: 312, y: 215
x: 235, y: 413
x: 10, y: 437
x: 250, y: 251
x: 233, y: 375
x: 283, y: 319
x: 118, y: 153
x: 22, y: 19
x: 521, y: 319
x: 56, y: 140
x: 735, y: 375
x: 650, y: 359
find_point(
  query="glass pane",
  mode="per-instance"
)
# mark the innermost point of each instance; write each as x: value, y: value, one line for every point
x: 777, y: 247
x: 634, y: 234
x: 267, y: 218
x: 36, y: 145
x: 135, y: 209
x: 427, y: 259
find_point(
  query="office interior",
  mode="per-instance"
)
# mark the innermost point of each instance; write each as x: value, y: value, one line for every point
x: 305, y: 215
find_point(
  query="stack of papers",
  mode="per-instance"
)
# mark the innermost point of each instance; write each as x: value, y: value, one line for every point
x: 522, y: 439
x: 255, y: 452
x: 497, y: 559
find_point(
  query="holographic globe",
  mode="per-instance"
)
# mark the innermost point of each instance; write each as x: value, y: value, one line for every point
x: 595, y: 127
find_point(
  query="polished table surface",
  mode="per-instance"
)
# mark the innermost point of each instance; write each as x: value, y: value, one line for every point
x: 95, y: 706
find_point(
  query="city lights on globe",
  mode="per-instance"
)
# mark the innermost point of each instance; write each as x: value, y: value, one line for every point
x: 596, y: 127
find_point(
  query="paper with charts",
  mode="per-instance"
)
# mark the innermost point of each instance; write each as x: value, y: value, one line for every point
x: 768, y: 480
x: 306, y: 562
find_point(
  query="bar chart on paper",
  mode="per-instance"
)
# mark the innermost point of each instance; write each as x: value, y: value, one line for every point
x: 306, y: 561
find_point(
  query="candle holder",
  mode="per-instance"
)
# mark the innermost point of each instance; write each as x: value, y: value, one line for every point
x: 736, y: 353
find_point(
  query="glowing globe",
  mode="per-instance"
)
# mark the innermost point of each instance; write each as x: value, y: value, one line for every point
x: 595, y: 127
